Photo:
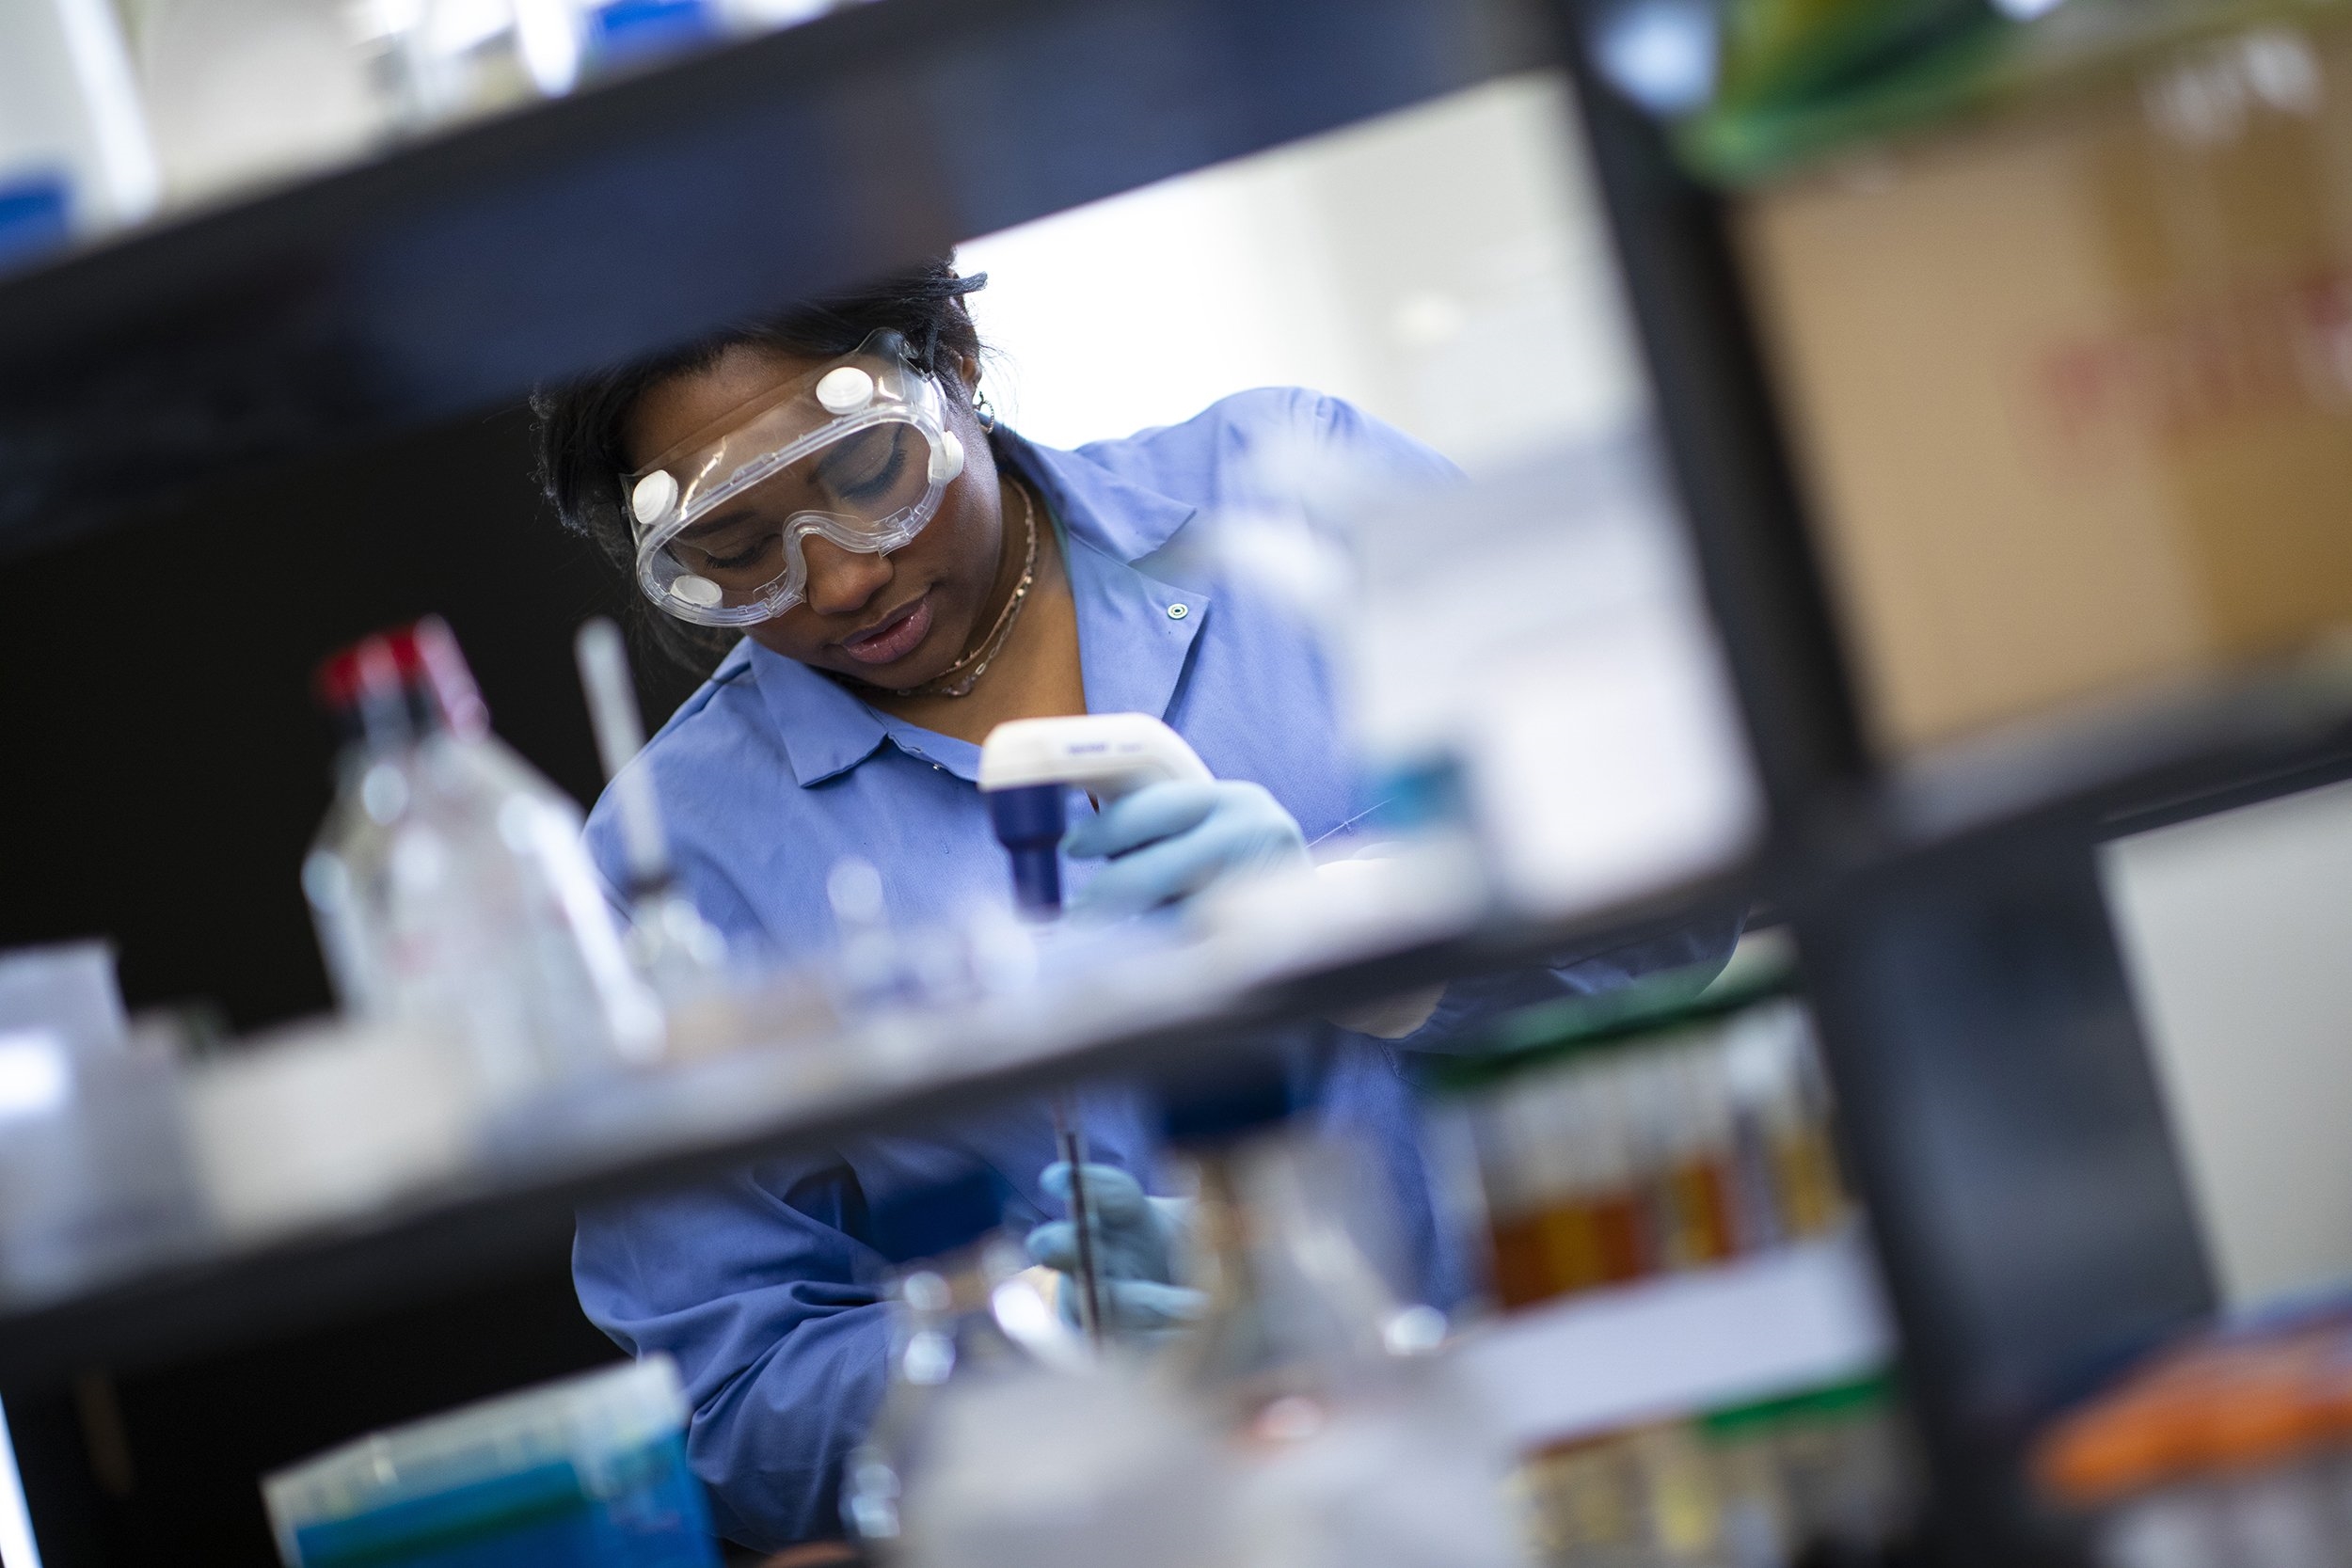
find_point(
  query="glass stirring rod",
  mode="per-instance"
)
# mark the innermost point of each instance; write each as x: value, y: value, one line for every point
x: 1070, y: 1143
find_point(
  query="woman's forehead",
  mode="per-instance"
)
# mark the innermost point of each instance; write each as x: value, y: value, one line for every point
x: 685, y: 405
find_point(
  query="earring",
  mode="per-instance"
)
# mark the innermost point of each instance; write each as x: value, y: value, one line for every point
x: 985, y: 409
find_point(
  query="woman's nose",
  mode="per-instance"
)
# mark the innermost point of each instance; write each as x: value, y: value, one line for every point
x: 842, y: 583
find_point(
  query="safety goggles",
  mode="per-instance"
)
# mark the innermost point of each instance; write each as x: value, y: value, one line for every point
x: 858, y: 454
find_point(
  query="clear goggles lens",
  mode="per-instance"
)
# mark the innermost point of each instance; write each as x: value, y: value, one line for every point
x: 857, y: 453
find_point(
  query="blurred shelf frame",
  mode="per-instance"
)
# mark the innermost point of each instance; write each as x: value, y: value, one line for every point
x: 671, y: 1128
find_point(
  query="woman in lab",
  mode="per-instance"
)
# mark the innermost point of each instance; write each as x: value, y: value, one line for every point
x: 826, y: 505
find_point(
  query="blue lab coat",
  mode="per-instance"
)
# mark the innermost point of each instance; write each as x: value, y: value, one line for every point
x: 764, y: 1286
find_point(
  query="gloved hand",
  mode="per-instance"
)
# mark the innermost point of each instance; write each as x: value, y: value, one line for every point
x: 1136, y: 1239
x: 1168, y: 841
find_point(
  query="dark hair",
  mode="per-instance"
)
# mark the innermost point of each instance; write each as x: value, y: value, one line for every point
x: 576, y: 426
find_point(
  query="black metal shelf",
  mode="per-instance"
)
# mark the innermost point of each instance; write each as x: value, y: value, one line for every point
x: 2109, y: 767
x: 215, y: 1292
x: 459, y: 272
x: 2026, y: 794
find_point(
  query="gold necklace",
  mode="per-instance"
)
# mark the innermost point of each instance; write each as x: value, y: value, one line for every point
x: 942, y: 685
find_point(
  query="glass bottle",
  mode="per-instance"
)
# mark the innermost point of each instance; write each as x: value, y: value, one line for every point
x: 449, y: 884
x: 1002, y: 1442
x: 942, y: 1309
x: 1354, y: 1443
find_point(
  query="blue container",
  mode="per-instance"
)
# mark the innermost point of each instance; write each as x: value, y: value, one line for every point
x: 36, y: 217
x: 627, y: 33
x: 588, y: 1471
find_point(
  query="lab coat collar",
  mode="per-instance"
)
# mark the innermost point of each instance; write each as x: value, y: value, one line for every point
x: 1125, y: 520
x: 1132, y: 639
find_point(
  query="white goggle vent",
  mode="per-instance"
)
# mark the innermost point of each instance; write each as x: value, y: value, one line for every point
x: 844, y: 390
x: 947, y: 458
x: 652, y: 497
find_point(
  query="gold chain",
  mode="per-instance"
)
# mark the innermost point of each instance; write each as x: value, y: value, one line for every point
x: 939, y: 685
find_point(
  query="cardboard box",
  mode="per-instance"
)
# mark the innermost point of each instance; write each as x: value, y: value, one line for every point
x: 2071, y: 386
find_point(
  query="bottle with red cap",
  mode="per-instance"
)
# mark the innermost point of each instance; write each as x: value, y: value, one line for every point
x: 449, y: 883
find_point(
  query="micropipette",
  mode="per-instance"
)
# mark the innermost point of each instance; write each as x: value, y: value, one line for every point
x: 1026, y: 767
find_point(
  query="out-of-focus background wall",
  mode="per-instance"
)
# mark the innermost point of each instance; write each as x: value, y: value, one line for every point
x: 2238, y: 931
x: 1444, y: 269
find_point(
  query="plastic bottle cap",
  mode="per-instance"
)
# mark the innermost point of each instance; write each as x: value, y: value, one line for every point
x: 2269, y: 1417
x: 2216, y: 1407
x: 697, y: 590
x: 423, y: 658
x: 2116, y: 1448
x: 654, y: 495
x: 844, y: 390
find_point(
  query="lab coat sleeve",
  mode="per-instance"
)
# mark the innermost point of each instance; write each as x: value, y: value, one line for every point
x: 767, y: 1305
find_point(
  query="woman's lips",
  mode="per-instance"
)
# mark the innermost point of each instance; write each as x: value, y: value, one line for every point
x: 894, y: 638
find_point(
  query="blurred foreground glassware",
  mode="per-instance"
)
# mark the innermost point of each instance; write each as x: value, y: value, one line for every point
x: 1612, y: 1145
x: 331, y: 1118
x: 240, y: 93
x: 449, y: 886
x: 1825, y: 1474
x: 1056, y: 1469
x: 1003, y: 1443
x: 1548, y: 682
x: 966, y: 1309
x: 1309, y: 1419
x: 436, y: 62
x: 94, y: 1160
x: 1353, y: 1442
x: 245, y: 92
x: 681, y: 955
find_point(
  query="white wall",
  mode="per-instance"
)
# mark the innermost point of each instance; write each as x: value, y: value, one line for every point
x: 1443, y: 267
x: 2238, y: 934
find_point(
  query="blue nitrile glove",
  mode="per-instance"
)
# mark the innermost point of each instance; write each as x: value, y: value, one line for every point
x: 1168, y: 841
x: 1136, y: 1242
